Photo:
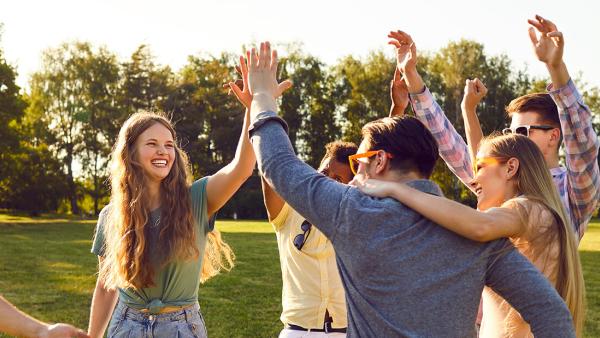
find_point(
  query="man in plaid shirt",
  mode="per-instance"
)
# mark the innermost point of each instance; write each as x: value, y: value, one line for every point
x: 546, y: 118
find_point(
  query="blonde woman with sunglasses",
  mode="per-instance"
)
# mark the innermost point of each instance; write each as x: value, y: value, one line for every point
x: 516, y: 198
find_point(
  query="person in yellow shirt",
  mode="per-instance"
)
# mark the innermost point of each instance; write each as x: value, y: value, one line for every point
x: 313, y: 296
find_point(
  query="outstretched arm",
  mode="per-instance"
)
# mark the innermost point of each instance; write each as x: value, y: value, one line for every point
x: 103, y: 305
x: 17, y: 323
x: 452, y: 147
x: 222, y: 185
x: 581, y: 142
x: 273, y: 202
x: 474, y: 93
x: 476, y: 225
x: 311, y: 194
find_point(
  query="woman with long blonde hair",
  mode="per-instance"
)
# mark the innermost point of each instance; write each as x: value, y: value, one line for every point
x: 516, y: 198
x: 156, y: 240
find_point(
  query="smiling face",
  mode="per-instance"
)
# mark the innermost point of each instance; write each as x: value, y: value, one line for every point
x: 491, y: 183
x: 156, y: 152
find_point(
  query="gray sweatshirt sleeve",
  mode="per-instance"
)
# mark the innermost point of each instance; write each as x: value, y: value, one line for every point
x: 314, y: 196
x: 516, y: 280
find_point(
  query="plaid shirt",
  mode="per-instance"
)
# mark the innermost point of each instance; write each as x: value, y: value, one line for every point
x: 578, y: 184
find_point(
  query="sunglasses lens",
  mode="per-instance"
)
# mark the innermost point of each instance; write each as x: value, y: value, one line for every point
x: 305, y: 226
x: 506, y: 131
x: 522, y: 131
x: 299, y: 241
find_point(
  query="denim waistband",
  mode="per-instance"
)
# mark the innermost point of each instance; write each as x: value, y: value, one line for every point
x: 124, y: 311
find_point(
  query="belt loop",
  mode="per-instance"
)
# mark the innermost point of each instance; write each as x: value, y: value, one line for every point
x: 185, y: 314
x: 124, y: 310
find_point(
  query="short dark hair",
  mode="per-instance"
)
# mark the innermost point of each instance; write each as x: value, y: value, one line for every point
x: 411, y: 144
x: 339, y: 151
x: 540, y: 103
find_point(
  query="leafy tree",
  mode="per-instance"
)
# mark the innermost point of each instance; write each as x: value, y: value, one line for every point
x: 73, y: 98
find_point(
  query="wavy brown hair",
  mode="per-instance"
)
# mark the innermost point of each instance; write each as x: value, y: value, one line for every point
x: 127, y: 261
x: 535, y: 183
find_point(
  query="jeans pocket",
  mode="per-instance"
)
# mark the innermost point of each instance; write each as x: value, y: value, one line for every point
x: 197, y: 326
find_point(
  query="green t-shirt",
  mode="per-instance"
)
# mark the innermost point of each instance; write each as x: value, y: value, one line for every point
x: 176, y: 283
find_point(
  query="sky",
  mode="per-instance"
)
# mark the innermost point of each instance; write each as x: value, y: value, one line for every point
x: 328, y: 29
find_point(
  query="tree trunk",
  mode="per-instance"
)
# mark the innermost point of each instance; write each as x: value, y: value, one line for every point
x: 71, y: 182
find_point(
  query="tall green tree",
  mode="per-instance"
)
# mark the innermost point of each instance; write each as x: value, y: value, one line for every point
x: 73, y: 96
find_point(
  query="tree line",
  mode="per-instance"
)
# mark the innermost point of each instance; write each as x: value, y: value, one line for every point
x: 56, y: 137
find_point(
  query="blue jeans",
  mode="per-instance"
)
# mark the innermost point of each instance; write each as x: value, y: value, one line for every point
x: 127, y: 322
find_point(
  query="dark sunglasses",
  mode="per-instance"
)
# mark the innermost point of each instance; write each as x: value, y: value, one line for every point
x: 524, y: 130
x: 300, y: 239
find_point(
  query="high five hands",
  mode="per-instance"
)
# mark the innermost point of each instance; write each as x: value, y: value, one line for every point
x: 242, y: 89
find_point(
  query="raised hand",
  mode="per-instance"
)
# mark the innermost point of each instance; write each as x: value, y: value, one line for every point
x: 241, y: 90
x: 399, y: 94
x: 262, y: 71
x: 549, y: 46
x: 406, y: 51
x: 475, y: 91
x: 63, y: 331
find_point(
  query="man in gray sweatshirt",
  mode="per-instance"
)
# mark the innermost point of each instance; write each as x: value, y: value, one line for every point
x: 404, y: 276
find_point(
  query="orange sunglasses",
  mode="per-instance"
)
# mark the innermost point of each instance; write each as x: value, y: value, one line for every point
x: 353, y: 159
x: 486, y: 161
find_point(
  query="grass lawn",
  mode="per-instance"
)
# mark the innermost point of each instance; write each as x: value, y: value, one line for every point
x: 46, y: 270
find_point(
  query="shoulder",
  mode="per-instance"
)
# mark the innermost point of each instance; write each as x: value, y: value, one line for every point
x: 534, y: 214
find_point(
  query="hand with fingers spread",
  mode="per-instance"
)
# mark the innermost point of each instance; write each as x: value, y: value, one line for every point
x: 406, y: 60
x: 475, y: 91
x: 399, y: 94
x: 406, y: 51
x: 549, y: 46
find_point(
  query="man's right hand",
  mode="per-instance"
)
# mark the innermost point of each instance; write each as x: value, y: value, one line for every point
x: 406, y: 60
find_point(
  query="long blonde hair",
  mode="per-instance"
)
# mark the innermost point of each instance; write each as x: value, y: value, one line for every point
x: 535, y: 183
x: 127, y: 261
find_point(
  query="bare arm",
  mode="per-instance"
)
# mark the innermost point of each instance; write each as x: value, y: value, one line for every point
x: 398, y: 94
x: 273, y: 202
x: 474, y: 93
x: 103, y: 304
x: 222, y: 185
x: 476, y: 225
x: 227, y: 181
x: 17, y: 323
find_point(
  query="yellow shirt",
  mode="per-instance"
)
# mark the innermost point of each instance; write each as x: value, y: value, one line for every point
x: 311, y: 281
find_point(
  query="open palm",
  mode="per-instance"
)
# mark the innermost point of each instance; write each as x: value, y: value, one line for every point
x: 550, y: 45
x: 406, y: 52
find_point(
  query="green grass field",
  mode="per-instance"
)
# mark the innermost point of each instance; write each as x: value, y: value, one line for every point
x: 46, y: 270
